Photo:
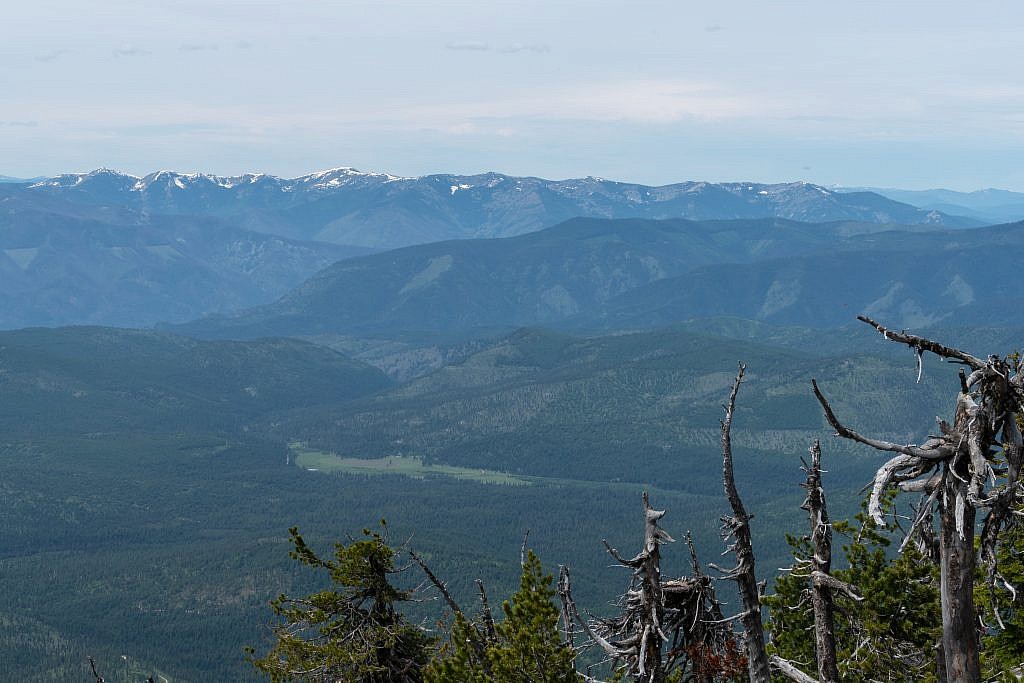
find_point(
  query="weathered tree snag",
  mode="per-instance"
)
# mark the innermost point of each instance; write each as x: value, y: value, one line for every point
x: 974, y: 463
x: 822, y: 582
x: 645, y: 602
x: 737, y: 527
x: 665, y: 626
x: 789, y: 671
x: 485, y: 611
x: 565, y: 594
x: 956, y: 567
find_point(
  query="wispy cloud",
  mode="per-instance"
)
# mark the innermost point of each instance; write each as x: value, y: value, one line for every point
x: 650, y: 101
x: 131, y: 51
x: 52, y: 55
x: 472, y: 45
x: 508, y: 49
x: 243, y: 44
x: 198, y: 47
x: 520, y: 47
x: 169, y: 129
x: 20, y: 124
x: 714, y: 28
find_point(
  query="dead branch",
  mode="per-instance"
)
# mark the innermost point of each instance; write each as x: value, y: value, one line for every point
x: 789, y: 671
x: 922, y: 344
x: 485, y: 611
x: 437, y: 584
x: 96, y: 675
x: 930, y: 450
x: 737, y: 527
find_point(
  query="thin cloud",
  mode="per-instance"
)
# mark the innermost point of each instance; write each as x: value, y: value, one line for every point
x: 20, y: 124
x: 131, y: 51
x: 538, y: 48
x: 714, y: 28
x: 473, y: 46
x: 52, y: 55
x: 243, y: 44
x: 198, y: 47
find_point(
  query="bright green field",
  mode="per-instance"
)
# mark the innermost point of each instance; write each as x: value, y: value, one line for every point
x: 401, y: 465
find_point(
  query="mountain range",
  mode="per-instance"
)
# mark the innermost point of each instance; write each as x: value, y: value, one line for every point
x: 383, y: 211
x: 629, y: 274
x: 110, y: 248
x: 63, y: 262
x: 525, y: 372
x: 988, y: 205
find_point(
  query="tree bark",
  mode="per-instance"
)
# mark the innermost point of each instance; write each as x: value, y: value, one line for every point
x: 821, y: 563
x: 959, y: 621
x: 737, y: 527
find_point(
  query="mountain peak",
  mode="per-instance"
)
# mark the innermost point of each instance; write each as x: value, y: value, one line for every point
x: 68, y: 180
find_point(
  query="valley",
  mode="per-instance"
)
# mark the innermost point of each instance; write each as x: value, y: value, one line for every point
x: 464, y: 390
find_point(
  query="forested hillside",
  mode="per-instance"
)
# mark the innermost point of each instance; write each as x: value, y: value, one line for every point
x: 151, y: 474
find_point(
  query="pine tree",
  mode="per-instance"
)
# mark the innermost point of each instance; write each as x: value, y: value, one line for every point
x: 890, y: 635
x: 526, y: 647
x: 1002, y: 655
x: 351, y: 631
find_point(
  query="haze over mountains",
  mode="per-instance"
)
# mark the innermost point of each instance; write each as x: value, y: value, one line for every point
x: 63, y: 262
x: 989, y: 205
x: 575, y: 338
x: 641, y: 273
x: 109, y: 248
x: 346, y: 206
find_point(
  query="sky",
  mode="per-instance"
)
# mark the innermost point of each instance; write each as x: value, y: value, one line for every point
x: 903, y: 93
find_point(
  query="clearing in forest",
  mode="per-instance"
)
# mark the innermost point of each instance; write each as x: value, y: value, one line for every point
x: 409, y: 466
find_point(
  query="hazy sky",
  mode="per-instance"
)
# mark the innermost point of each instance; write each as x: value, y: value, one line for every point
x: 895, y: 93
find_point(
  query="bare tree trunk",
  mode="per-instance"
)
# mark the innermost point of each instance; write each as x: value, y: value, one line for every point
x: 821, y: 566
x: 967, y: 467
x: 959, y: 621
x: 737, y: 527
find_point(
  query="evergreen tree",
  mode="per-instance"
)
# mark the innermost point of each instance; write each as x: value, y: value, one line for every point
x: 1002, y: 655
x: 890, y: 635
x: 351, y: 631
x: 526, y: 647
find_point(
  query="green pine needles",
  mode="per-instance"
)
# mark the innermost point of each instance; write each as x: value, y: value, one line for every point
x: 351, y: 631
x: 525, y: 647
x: 889, y: 635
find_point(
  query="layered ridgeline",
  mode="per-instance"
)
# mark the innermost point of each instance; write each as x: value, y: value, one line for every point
x: 378, y: 210
x: 151, y: 478
x: 615, y: 274
x: 990, y: 205
x: 109, y: 248
x: 63, y: 262
x: 912, y: 280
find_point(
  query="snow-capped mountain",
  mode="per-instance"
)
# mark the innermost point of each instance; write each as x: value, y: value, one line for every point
x: 347, y: 206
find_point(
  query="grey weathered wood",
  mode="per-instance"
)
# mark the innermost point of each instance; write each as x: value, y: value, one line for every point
x: 821, y: 563
x: 954, y: 472
x: 737, y: 527
x: 789, y: 671
x: 956, y: 566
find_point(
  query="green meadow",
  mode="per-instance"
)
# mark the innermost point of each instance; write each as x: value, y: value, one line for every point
x: 408, y: 466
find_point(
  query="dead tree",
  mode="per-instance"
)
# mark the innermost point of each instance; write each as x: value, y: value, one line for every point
x: 821, y: 568
x: 821, y: 583
x: 973, y: 463
x: 664, y: 625
x: 737, y: 529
